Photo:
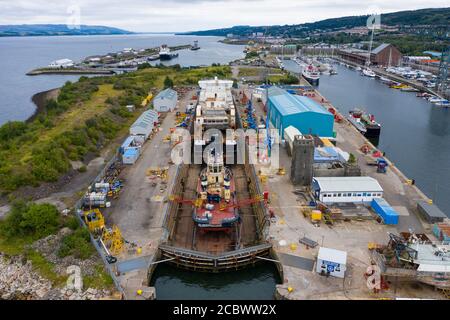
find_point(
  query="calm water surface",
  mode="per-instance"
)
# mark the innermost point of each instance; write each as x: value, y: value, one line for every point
x: 415, y: 134
x: 18, y: 55
x: 256, y: 283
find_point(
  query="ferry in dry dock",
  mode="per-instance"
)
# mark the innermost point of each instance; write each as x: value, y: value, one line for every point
x: 217, y: 209
x: 216, y: 200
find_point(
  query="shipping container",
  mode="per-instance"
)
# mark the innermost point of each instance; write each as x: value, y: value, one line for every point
x: 385, y: 211
x: 442, y: 232
x: 130, y: 156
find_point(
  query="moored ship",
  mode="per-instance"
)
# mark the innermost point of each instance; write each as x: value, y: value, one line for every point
x: 195, y: 46
x: 365, y: 123
x: 368, y: 73
x: 311, y: 74
x: 166, y: 54
x: 216, y: 208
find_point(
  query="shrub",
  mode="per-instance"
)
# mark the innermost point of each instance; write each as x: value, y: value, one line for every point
x: 77, y: 244
x: 31, y: 219
x: 168, y: 83
x: 72, y: 223
x: 12, y: 129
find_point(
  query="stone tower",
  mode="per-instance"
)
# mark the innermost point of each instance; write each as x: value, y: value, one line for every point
x: 302, y: 160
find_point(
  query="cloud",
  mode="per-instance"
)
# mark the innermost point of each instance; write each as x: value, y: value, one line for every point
x: 186, y: 15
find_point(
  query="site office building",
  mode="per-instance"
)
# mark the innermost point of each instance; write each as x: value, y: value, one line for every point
x: 346, y: 189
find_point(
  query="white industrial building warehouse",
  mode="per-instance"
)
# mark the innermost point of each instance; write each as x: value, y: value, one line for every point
x: 165, y: 101
x: 346, y: 189
x: 144, y: 125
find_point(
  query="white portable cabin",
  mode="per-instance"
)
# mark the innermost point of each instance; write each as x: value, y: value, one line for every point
x: 346, y: 189
x: 289, y: 136
x: 165, y: 101
x: 331, y: 262
x: 144, y: 125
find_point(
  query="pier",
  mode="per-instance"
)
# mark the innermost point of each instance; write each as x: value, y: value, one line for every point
x: 393, y: 77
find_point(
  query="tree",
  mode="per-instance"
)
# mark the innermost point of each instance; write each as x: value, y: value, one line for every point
x: 352, y: 159
x: 40, y: 220
x: 30, y: 219
x: 168, y: 83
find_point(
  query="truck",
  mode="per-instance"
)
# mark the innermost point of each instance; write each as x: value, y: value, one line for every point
x: 381, y: 165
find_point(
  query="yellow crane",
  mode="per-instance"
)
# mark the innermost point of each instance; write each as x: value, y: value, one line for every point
x: 94, y: 221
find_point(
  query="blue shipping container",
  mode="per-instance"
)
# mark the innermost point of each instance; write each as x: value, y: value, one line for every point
x: 385, y: 211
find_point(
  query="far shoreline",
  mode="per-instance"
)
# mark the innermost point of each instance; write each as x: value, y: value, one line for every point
x: 40, y: 100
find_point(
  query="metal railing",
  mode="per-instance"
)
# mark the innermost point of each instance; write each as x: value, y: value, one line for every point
x: 78, y: 208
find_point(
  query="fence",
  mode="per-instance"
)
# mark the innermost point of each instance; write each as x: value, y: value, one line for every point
x: 95, y: 242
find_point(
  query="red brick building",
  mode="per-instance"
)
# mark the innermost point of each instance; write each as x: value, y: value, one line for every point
x: 384, y: 55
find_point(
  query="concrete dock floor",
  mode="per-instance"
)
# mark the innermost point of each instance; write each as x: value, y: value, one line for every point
x: 139, y: 210
x: 353, y: 236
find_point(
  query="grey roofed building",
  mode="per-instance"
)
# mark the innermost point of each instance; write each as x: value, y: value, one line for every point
x: 166, y: 100
x: 350, y: 184
x: 430, y: 212
x: 144, y: 124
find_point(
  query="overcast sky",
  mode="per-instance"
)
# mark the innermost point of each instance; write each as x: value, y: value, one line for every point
x: 188, y: 15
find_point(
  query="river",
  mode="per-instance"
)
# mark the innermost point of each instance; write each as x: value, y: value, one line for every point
x: 415, y: 134
x: 18, y: 55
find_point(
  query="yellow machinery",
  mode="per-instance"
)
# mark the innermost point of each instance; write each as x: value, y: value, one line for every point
x: 316, y: 216
x: 162, y: 173
x: 147, y: 100
x: 263, y: 178
x: 373, y: 245
x: 94, y: 221
x: 281, y: 172
x: 113, y: 239
x: 326, y: 142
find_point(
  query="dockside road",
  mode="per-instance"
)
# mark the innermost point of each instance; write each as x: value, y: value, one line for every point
x: 139, y: 211
x: 353, y: 236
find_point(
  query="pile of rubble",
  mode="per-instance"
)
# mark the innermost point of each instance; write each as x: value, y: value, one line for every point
x: 48, y: 247
x: 19, y: 281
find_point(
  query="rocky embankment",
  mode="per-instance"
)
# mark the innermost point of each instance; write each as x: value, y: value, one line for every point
x: 18, y: 279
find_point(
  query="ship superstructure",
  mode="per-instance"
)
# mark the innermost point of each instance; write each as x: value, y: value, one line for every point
x: 165, y: 53
x: 216, y: 208
x: 215, y: 109
x: 311, y: 74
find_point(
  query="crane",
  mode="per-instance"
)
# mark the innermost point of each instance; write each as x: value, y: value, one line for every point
x: 223, y: 206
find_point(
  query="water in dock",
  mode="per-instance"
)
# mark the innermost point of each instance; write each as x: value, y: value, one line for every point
x: 256, y: 283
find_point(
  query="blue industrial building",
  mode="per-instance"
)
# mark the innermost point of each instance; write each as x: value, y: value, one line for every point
x: 309, y: 117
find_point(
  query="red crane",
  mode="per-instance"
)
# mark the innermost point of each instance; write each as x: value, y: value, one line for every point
x: 242, y: 203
